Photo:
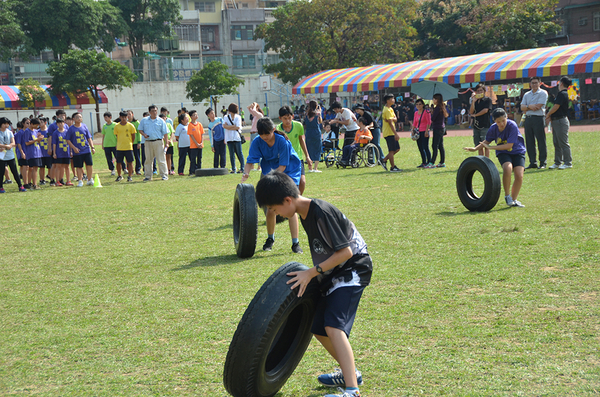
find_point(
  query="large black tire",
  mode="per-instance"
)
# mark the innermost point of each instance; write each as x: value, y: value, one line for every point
x: 211, y: 171
x: 245, y: 220
x: 491, y: 180
x: 271, y: 337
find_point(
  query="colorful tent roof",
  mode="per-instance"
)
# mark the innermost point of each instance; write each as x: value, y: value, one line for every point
x: 9, y: 98
x: 543, y: 62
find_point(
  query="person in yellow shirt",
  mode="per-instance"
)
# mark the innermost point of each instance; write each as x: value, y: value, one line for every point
x: 389, y: 133
x: 125, y: 133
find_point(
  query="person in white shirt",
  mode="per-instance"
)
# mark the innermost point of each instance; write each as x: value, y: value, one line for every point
x: 533, y: 106
x: 346, y: 118
x: 232, y: 123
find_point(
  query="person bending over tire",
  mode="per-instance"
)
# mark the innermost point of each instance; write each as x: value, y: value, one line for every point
x: 510, y: 150
x: 275, y: 152
x: 342, y: 266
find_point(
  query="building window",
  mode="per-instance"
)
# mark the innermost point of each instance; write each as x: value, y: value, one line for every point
x: 244, y: 5
x: 208, y: 35
x: 596, y: 21
x: 244, y: 62
x: 242, y: 32
x: 187, y: 32
x: 204, y: 6
x: 582, y: 21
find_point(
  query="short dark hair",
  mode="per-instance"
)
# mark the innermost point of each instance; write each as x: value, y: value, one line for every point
x: 108, y: 114
x: 192, y: 112
x: 387, y: 96
x: 4, y: 120
x: 152, y: 107
x: 181, y: 117
x: 145, y: 114
x: 363, y: 120
x: 162, y: 115
x: 566, y: 81
x: 34, y: 121
x: 478, y: 86
x: 60, y: 111
x: 273, y: 188
x: 497, y: 113
x: 285, y: 110
x: 208, y: 111
x: 233, y: 108
x: 164, y: 110
x: 74, y: 114
x: 535, y: 78
x: 264, y: 126
x: 336, y: 105
x: 59, y: 120
x: 123, y: 113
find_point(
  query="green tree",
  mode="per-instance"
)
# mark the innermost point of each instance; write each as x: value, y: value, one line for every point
x: 213, y: 80
x: 311, y: 36
x: 30, y: 92
x: 11, y: 34
x: 147, y: 21
x: 463, y: 27
x: 61, y: 24
x: 88, y: 71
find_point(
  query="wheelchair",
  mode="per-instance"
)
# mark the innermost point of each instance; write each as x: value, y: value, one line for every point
x: 367, y: 155
x: 330, y: 154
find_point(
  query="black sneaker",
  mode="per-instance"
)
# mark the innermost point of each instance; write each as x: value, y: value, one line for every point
x: 532, y: 166
x: 42, y: 182
x: 395, y: 169
x: 268, y: 246
x: 296, y: 248
x: 382, y: 163
x: 119, y: 179
x: 129, y: 179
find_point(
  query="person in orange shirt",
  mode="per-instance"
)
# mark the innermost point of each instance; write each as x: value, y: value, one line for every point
x: 195, y: 131
x: 363, y: 136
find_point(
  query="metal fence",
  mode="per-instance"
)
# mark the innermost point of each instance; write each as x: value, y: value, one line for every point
x: 152, y: 68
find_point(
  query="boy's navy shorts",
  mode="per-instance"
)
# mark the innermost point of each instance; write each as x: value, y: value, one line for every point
x: 23, y: 163
x: 61, y: 160
x: 79, y: 159
x: 337, y: 310
x: 517, y: 160
x: 124, y: 154
x: 47, y: 162
x: 37, y: 162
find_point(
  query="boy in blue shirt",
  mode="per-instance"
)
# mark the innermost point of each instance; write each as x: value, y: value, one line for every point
x: 342, y: 267
x: 274, y: 152
x: 33, y: 151
x: 510, y: 150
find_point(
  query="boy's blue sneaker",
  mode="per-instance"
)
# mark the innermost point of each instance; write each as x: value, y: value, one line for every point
x: 2, y: 190
x: 336, y: 378
x: 344, y: 393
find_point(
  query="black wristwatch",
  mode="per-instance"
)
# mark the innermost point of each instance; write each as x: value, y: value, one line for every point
x: 319, y: 270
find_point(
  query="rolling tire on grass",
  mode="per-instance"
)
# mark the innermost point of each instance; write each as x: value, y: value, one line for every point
x: 245, y: 220
x: 211, y: 171
x: 491, y: 180
x: 271, y: 337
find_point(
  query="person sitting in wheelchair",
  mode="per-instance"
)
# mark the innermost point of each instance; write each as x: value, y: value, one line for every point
x: 363, y: 136
x: 328, y: 136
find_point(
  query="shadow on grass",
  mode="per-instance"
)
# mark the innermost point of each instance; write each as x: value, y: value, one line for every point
x: 467, y: 212
x: 220, y: 260
x: 222, y: 227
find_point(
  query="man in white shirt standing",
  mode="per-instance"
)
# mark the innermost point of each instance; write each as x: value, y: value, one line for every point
x: 533, y: 106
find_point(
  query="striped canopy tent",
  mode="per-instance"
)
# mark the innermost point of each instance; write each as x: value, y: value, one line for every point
x: 508, y: 65
x: 9, y: 99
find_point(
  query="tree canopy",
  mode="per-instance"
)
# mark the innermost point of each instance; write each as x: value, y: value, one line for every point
x: 89, y: 71
x: 61, y: 24
x: 11, y: 35
x: 213, y: 80
x: 463, y: 27
x: 147, y: 20
x: 320, y: 34
x: 30, y: 92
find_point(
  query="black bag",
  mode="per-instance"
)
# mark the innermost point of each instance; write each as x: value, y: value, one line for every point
x: 242, y: 138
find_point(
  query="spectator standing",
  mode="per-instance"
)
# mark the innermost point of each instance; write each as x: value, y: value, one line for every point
x: 232, y: 123
x: 422, y: 120
x: 216, y: 134
x: 154, y: 130
x: 82, y: 145
x: 558, y: 116
x: 312, y: 133
x: 7, y: 155
x: 533, y: 107
x: 389, y: 133
x: 125, y: 134
x: 295, y: 132
x: 195, y: 131
x: 373, y: 127
x: 183, y: 143
x: 137, y: 142
x: 481, y: 108
x: 438, y: 126
x: 109, y: 141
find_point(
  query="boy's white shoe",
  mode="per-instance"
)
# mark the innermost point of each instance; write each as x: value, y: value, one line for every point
x: 80, y: 184
x: 90, y: 182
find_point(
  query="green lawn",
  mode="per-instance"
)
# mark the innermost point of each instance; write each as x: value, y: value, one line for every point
x: 135, y: 288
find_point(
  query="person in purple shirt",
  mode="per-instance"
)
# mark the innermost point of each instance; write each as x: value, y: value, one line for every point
x: 46, y: 148
x: 510, y: 150
x: 80, y: 141
x: 62, y: 154
x: 20, y: 149
x: 33, y: 151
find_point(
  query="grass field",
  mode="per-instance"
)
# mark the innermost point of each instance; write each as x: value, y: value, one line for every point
x: 135, y: 288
